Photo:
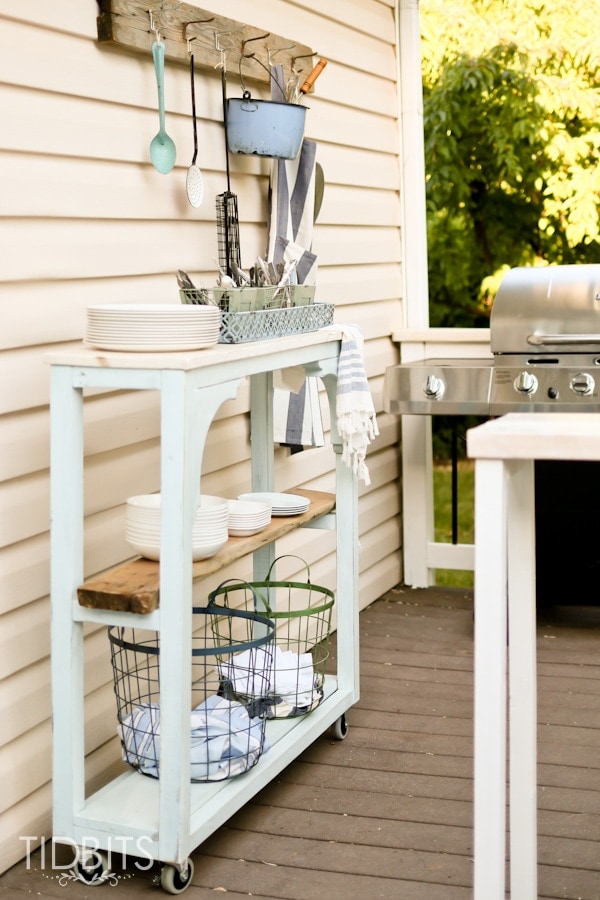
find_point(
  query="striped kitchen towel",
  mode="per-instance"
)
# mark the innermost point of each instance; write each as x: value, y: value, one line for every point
x: 291, y: 203
x: 297, y: 417
x: 297, y: 414
x: 355, y: 413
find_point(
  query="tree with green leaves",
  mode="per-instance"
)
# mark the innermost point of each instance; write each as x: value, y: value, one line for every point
x: 512, y: 144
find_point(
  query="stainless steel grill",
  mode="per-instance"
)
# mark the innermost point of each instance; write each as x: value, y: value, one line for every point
x: 545, y: 340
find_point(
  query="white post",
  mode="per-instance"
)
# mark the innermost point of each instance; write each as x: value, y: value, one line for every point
x: 490, y: 678
x: 522, y: 682
x: 414, y: 224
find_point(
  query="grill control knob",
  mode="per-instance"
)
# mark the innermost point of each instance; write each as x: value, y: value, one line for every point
x: 582, y: 384
x: 434, y: 388
x: 526, y: 383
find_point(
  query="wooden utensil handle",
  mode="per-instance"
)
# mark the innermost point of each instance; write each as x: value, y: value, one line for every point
x: 310, y: 80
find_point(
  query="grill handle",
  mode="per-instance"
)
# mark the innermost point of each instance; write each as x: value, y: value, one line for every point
x: 540, y: 340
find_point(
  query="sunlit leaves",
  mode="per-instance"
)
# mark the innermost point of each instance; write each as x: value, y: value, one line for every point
x: 511, y: 117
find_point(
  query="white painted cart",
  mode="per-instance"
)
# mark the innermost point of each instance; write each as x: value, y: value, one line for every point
x: 170, y: 817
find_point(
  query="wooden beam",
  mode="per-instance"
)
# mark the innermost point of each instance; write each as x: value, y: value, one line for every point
x: 244, y: 49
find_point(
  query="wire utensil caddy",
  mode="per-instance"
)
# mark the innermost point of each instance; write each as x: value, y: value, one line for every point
x: 227, y: 736
x: 301, y: 612
x: 247, y: 299
x: 256, y: 314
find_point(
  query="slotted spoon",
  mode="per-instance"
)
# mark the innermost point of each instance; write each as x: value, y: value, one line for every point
x: 194, y: 182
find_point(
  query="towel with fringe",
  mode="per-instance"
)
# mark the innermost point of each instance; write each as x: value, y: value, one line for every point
x: 355, y: 413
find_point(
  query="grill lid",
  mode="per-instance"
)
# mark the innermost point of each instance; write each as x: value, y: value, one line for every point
x: 550, y: 309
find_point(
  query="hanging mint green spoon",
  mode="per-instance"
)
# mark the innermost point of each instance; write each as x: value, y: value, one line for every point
x: 162, y: 147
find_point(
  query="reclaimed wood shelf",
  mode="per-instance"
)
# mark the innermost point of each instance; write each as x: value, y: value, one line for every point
x: 134, y: 586
x: 185, y: 28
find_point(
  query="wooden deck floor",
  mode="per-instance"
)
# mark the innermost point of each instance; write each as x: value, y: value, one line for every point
x: 387, y: 813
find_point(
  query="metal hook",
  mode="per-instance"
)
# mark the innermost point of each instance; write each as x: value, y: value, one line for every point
x: 220, y: 34
x: 154, y: 26
x: 268, y: 69
x: 223, y: 50
x: 275, y: 52
x: 195, y: 22
x: 302, y: 56
x: 260, y: 37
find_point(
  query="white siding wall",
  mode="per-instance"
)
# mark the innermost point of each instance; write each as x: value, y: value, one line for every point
x: 84, y: 218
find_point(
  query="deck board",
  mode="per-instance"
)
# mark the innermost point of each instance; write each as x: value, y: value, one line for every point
x: 387, y: 813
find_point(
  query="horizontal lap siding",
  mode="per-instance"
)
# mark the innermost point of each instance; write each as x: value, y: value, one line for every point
x: 85, y: 219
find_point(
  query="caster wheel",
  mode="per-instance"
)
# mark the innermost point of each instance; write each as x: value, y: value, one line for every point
x: 92, y: 868
x: 173, y: 882
x: 340, y: 728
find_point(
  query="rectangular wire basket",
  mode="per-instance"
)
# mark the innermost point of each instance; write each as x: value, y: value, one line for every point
x: 256, y: 314
x: 261, y: 324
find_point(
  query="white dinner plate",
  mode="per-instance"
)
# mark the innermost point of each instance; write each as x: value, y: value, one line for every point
x: 152, y: 327
x: 281, y: 504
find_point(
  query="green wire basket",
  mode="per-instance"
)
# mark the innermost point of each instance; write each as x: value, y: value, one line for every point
x: 292, y: 683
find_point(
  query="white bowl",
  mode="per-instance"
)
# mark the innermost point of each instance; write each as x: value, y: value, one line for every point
x: 209, y: 530
x: 151, y: 549
x: 146, y: 509
x: 152, y: 502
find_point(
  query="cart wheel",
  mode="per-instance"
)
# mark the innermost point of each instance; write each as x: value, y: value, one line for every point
x: 92, y: 869
x: 340, y: 728
x: 173, y: 882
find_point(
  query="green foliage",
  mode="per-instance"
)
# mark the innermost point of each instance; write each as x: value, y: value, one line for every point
x: 442, y: 490
x: 451, y: 431
x: 512, y: 145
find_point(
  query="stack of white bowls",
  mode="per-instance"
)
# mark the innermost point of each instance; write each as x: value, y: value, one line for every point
x: 248, y: 517
x: 209, y: 533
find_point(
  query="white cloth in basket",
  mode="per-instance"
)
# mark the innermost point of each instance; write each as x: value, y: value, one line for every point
x: 225, y: 741
x: 257, y: 673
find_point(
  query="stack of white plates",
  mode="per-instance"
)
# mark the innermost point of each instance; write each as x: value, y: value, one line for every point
x: 148, y: 327
x: 142, y: 526
x: 248, y: 517
x: 281, y: 504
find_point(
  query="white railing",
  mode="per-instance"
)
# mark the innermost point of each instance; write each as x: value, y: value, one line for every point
x: 422, y: 554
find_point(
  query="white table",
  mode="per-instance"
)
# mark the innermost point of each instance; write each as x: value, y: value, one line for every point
x: 504, y: 450
x: 505, y: 604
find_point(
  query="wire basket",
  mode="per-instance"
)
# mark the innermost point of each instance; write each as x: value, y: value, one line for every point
x: 227, y: 736
x: 261, y: 324
x: 301, y: 612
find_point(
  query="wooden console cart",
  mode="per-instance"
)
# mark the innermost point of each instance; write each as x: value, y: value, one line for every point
x: 170, y: 816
